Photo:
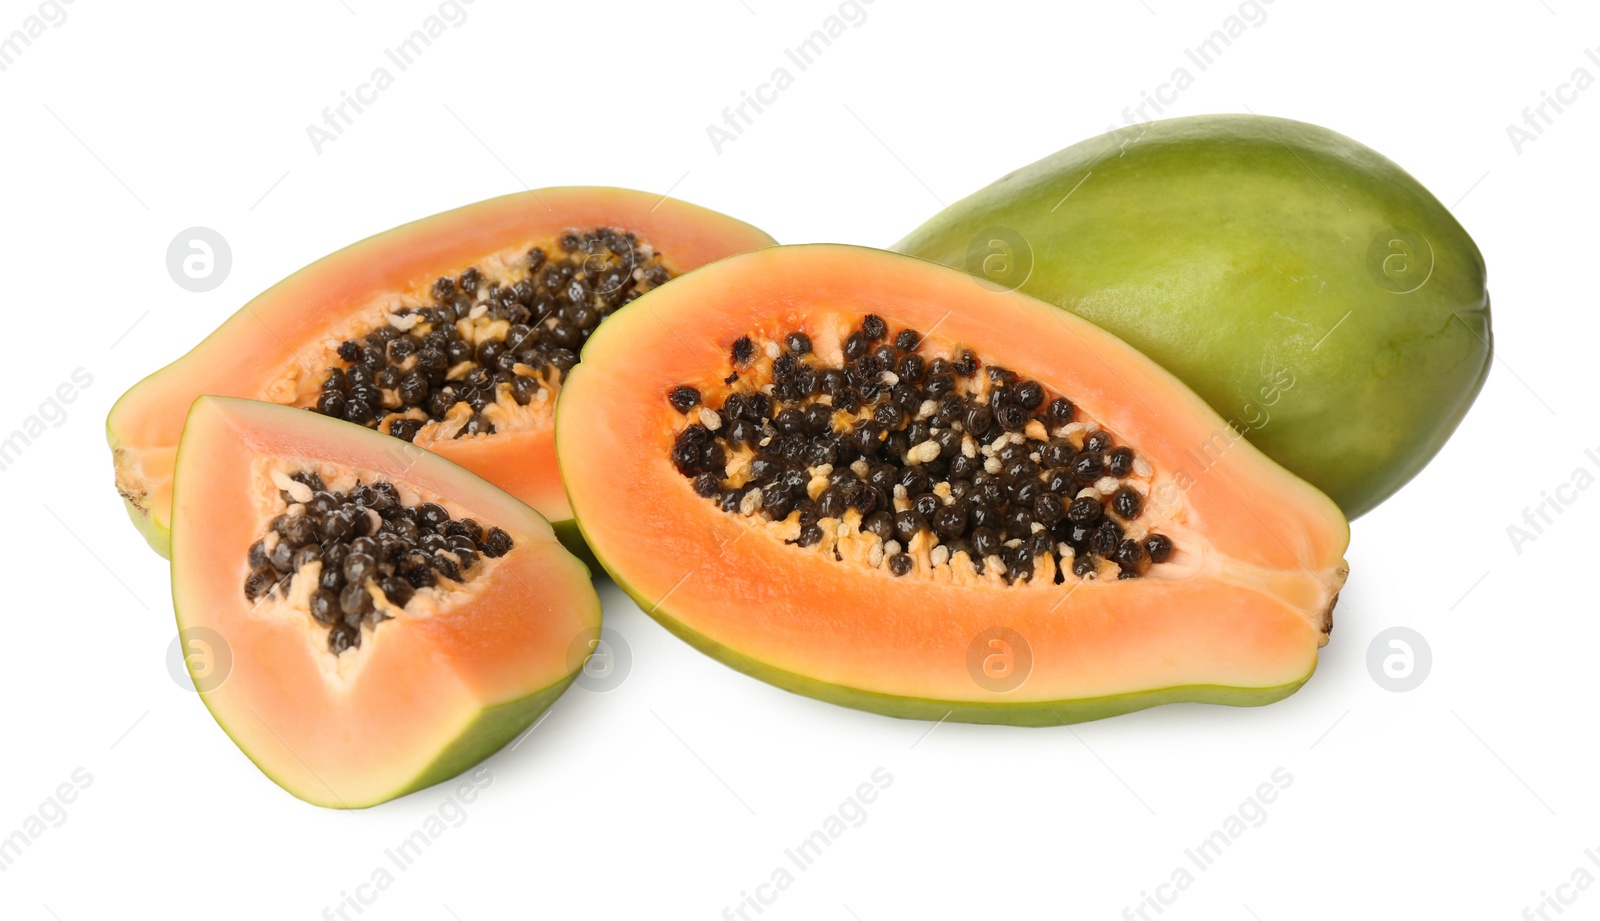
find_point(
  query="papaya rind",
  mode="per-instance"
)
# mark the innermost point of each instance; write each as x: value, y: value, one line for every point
x: 1032, y: 713
x: 490, y: 728
x: 490, y: 731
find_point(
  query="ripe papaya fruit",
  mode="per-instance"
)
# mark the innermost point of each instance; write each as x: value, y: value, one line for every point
x: 452, y: 333
x: 1313, y: 292
x: 379, y: 619
x: 862, y: 477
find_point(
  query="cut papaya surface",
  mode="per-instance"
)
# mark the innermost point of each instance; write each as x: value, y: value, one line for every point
x: 389, y: 618
x: 875, y: 481
x: 453, y: 333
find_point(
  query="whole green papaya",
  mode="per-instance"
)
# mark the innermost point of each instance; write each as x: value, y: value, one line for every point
x: 1312, y: 291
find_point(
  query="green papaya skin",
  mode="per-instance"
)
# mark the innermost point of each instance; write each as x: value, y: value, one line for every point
x: 1308, y: 288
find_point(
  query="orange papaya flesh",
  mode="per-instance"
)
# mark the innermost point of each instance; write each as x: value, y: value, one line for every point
x: 469, y: 275
x: 797, y: 587
x: 442, y: 671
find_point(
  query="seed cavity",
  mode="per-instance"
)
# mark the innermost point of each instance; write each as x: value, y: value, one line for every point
x: 353, y: 556
x: 943, y: 461
x: 474, y: 350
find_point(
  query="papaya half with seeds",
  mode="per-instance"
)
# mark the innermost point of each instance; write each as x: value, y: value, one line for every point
x: 1313, y: 292
x: 379, y: 620
x: 861, y: 477
x: 452, y: 333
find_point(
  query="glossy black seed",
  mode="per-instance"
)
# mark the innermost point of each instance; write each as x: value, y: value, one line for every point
x: 496, y: 543
x: 1105, y: 537
x: 900, y: 564
x: 282, y: 557
x: 873, y: 327
x: 818, y: 418
x: 1127, y: 503
x: 864, y: 499
x: 354, y: 599
x: 1129, y: 554
x: 1083, y: 565
x: 880, y: 525
x: 743, y: 350
x: 1119, y: 463
x: 907, y: 340
x: 325, y: 607
x: 937, y: 385
x: 331, y: 578
x: 524, y: 389
x: 915, y: 481
x: 856, y: 345
x: 809, y: 534
x: 927, y: 505
x: 978, y: 419
x: 1020, y: 568
x: 1084, y: 510
x: 950, y: 521
x: 1018, y: 523
x: 1087, y: 466
x: 707, y: 486
x: 985, y: 541
x: 1047, y: 509
x: 358, y: 412
x: 342, y: 637
x: 907, y: 524
x: 1026, y: 491
x: 906, y: 397
x: 823, y: 450
x: 1060, y: 412
x: 1011, y: 417
x: 1158, y: 547
x: 358, y: 567
x: 911, y: 368
x: 260, y: 582
x: 1099, y: 442
x: 867, y: 439
x: 797, y: 343
x: 1029, y: 395
x: 331, y: 403
x: 1057, y: 454
x: 447, y: 566
x: 1022, y: 469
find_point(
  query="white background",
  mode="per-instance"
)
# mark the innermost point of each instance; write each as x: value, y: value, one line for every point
x: 679, y: 790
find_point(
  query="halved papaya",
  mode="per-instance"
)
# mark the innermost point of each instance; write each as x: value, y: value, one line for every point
x: 872, y: 480
x: 452, y: 332
x: 390, y: 618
